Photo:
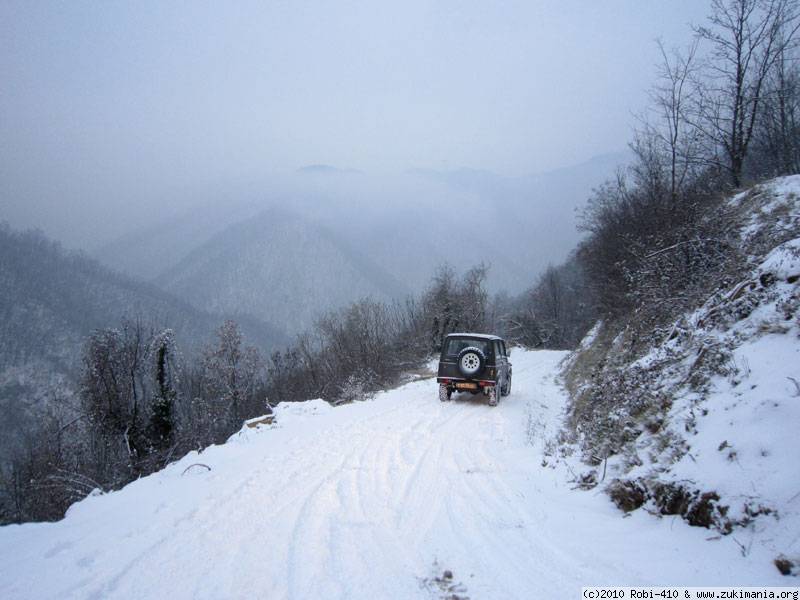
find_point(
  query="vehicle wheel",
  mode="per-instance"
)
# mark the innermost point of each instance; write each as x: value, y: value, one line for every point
x: 444, y: 393
x: 492, y: 396
x: 471, y: 361
x: 506, y: 389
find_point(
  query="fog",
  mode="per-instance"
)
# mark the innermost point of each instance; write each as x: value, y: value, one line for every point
x: 116, y: 118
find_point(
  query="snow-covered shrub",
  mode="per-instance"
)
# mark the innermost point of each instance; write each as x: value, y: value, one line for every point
x: 357, y: 387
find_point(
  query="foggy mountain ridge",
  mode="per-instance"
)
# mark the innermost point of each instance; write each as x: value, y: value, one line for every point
x: 289, y: 267
x: 281, y: 267
x: 51, y: 300
x: 403, y: 229
x: 597, y: 168
x: 322, y: 169
x: 146, y: 253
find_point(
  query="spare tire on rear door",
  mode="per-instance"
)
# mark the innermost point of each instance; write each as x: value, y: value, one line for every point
x: 471, y: 361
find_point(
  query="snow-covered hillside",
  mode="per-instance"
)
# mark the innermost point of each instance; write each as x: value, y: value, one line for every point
x: 706, y: 418
x: 376, y: 499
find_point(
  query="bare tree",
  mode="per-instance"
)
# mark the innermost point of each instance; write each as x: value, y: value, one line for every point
x: 455, y: 304
x: 747, y: 39
x: 111, y: 391
x: 439, y: 306
x: 777, y: 138
x: 556, y: 312
x: 667, y: 131
x: 232, y: 374
x: 473, y: 299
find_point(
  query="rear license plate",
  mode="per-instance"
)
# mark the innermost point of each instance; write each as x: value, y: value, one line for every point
x: 466, y: 386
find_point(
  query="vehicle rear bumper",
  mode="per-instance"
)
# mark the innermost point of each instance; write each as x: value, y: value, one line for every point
x: 452, y: 381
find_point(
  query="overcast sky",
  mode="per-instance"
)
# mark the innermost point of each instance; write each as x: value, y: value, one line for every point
x: 111, y: 102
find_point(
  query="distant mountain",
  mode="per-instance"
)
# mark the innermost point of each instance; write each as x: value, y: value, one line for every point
x: 51, y: 300
x: 147, y: 253
x: 466, y: 178
x: 281, y: 267
x: 386, y: 234
x: 519, y: 225
x: 548, y: 207
x: 325, y: 170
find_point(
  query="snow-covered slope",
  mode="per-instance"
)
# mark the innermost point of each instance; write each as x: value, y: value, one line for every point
x: 708, y: 415
x: 371, y: 500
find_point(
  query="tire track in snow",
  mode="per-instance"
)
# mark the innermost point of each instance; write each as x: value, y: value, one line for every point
x: 381, y: 494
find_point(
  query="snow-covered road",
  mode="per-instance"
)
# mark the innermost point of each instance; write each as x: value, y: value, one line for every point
x: 371, y: 500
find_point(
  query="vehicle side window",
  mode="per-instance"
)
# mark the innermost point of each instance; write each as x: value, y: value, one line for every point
x: 498, y: 350
x: 503, y: 346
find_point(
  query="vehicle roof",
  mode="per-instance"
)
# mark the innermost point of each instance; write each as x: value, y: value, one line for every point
x: 482, y: 336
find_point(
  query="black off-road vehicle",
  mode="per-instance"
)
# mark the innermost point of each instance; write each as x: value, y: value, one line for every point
x: 474, y: 362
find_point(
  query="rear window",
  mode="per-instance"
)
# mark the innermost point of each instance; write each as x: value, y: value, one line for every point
x: 455, y: 345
